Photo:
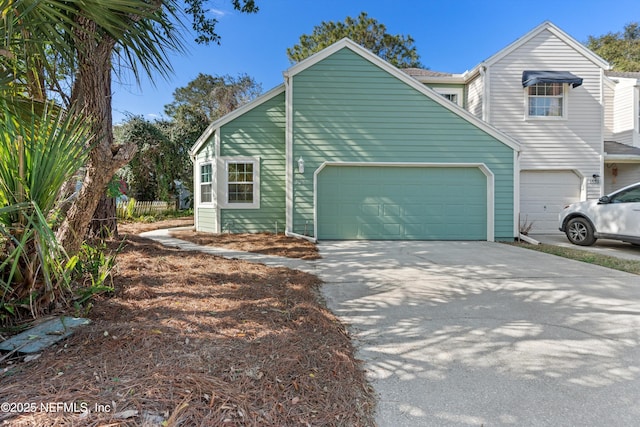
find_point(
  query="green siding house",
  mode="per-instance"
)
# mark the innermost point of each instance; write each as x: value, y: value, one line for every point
x: 352, y: 148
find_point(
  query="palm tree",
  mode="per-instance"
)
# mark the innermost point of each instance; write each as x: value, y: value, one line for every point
x: 39, y: 151
x: 89, y: 37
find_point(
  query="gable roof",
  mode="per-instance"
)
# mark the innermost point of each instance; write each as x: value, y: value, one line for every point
x: 548, y: 26
x: 405, y: 78
x: 233, y: 115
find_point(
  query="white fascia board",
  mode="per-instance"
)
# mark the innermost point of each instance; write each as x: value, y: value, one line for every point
x: 621, y: 158
x: 453, y: 79
x: 323, y: 54
x: 547, y: 25
x: 231, y: 116
x: 405, y: 78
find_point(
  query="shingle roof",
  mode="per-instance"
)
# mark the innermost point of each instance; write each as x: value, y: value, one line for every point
x: 420, y: 72
x: 623, y: 74
x: 616, y: 148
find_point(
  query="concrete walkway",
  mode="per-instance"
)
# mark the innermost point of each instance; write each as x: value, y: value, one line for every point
x: 479, y: 333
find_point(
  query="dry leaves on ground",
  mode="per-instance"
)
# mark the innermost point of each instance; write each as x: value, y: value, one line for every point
x: 262, y: 243
x: 195, y: 340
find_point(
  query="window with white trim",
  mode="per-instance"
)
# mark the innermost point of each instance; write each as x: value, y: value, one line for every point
x: 546, y: 100
x: 206, y: 183
x: 241, y: 183
x: 452, y: 94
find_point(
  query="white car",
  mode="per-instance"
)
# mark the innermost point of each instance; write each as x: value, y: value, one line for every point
x: 614, y: 216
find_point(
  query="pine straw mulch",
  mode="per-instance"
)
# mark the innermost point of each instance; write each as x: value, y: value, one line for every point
x: 262, y: 243
x: 191, y: 339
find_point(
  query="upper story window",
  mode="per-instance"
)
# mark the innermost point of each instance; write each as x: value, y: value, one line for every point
x: 451, y: 93
x: 546, y: 93
x: 546, y: 100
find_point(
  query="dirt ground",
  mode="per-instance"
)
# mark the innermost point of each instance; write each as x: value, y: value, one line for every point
x: 189, y: 339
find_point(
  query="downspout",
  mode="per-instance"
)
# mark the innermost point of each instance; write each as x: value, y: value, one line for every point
x: 485, y: 91
x: 288, y: 154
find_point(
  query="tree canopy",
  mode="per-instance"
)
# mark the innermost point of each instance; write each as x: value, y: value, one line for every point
x: 212, y: 96
x: 621, y: 49
x: 163, y: 145
x: 398, y: 50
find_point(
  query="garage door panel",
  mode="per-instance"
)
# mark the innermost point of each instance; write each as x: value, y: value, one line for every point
x: 370, y: 209
x: 391, y: 210
x: 543, y: 194
x: 401, y: 203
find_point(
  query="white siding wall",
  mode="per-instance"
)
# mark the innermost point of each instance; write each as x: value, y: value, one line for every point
x: 609, y: 94
x: 623, y: 111
x: 474, y: 96
x: 623, y: 108
x: 572, y: 144
x: 628, y: 173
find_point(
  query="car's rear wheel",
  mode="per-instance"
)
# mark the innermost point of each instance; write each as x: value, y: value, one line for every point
x: 579, y: 231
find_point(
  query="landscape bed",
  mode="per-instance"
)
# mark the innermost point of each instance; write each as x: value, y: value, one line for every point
x: 193, y: 339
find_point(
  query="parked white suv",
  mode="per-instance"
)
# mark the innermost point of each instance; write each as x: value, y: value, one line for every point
x: 615, y: 216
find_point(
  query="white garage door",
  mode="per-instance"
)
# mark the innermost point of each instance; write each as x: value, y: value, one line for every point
x: 543, y: 194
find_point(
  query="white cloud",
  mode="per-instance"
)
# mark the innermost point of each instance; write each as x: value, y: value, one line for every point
x: 218, y: 12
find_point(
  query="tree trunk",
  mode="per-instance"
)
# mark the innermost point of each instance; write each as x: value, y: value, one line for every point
x: 92, y: 94
x: 104, y: 224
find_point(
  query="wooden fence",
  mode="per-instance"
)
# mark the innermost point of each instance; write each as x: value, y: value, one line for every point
x: 134, y: 208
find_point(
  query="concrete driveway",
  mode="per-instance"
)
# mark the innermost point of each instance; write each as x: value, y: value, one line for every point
x: 478, y: 333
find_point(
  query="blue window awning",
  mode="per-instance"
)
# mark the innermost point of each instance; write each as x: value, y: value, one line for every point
x: 530, y: 78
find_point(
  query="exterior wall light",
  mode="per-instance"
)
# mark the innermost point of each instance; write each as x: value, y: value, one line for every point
x: 301, y: 165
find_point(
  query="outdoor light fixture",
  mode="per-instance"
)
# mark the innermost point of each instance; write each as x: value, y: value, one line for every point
x: 300, y: 165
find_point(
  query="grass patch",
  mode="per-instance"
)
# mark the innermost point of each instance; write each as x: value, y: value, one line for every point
x: 628, y: 266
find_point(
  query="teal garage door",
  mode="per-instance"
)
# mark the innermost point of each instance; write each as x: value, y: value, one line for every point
x: 401, y: 203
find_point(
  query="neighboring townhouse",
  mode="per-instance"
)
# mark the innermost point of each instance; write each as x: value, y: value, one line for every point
x: 622, y: 130
x: 576, y: 122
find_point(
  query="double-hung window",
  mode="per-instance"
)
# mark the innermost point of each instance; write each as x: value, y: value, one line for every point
x: 206, y: 183
x: 242, y: 185
x: 240, y: 182
x: 546, y: 93
x: 546, y: 100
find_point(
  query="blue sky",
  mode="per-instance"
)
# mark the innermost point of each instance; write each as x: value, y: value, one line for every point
x: 451, y: 36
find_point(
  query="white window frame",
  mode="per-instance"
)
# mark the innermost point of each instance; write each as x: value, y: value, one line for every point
x: 209, y: 183
x: 458, y: 92
x: 563, y: 116
x: 224, y: 183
